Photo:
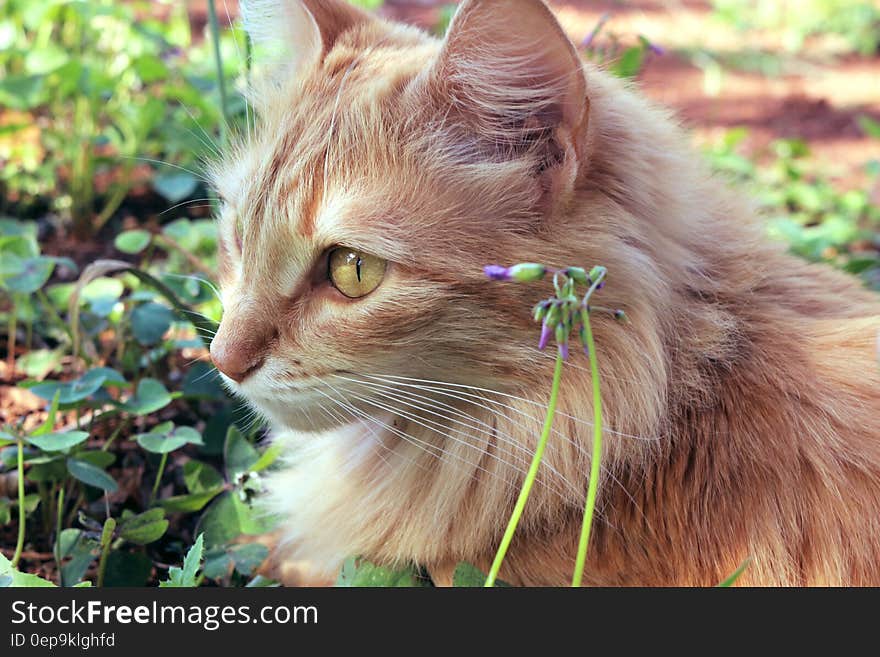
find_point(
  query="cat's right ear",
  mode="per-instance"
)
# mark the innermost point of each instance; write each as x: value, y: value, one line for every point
x: 291, y: 35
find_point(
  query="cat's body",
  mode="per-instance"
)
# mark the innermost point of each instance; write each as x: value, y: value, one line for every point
x: 742, y: 400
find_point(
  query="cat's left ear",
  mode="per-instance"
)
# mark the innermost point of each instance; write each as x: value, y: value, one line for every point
x: 296, y: 34
x: 514, y: 78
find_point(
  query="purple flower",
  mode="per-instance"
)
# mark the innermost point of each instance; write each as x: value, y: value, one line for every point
x: 497, y: 272
x: 563, y: 350
x: 545, y: 335
x: 654, y: 48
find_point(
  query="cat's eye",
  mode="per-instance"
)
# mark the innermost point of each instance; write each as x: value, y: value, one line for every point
x: 353, y: 272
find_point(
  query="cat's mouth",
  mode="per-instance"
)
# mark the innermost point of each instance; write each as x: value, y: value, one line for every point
x: 303, y: 402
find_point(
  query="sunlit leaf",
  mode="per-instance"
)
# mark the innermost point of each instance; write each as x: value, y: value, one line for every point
x: 150, y: 396
x: 132, y: 241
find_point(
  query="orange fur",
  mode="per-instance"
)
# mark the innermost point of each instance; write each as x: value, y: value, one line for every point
x: 741, y: 402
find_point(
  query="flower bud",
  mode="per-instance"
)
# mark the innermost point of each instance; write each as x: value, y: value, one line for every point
x: 545, y: 335
x: 527, y: 272
x: 620, y: 316
x: 553, y: 315
x: 562, y: 340
x: 596, y: 272
x: 540, y: 310
x: 578, y: 275
x: 497, y: 272
x: 582, y: 334
x: 561, y: 333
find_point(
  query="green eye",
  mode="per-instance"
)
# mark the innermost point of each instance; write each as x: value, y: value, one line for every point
x: 355, y: 273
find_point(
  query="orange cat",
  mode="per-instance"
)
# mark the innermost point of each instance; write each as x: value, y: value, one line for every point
x: 742, y: 401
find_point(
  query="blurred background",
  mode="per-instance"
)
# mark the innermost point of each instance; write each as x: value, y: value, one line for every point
x: 108, y: 112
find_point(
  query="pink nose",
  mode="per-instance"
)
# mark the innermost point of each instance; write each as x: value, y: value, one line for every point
x: 240, y: 347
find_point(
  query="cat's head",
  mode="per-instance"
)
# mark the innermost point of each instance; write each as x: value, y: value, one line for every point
x: 386, y: 168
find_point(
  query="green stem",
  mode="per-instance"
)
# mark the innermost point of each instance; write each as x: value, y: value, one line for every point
x: 106, y: 541
x: 78, y: 502
x: 218, y: 60
x: 115, y: 434
x: 53, y: 314
x: 11, y: 330
x: 59, y: 518
x: 158, y: 478
x: 19, y: 544
x: 596, y: 458
x: 530, y: 477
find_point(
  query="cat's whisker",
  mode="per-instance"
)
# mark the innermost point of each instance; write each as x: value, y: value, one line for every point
x: 210, y: 373
x: 392, y: 378
x: 210, y: 143
x: 152, y: 160
x: 551, y: 448
x: 182, y: 203
x: 241, y: 58
x: 490, y: 430
x: 204, y: 281
x: 365, y: 422
x: 449, y: 435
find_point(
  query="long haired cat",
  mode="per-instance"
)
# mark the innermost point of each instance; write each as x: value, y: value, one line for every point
x: 387, y: 167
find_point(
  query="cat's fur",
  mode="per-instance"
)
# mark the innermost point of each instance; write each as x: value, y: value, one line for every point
x: 742, y: 401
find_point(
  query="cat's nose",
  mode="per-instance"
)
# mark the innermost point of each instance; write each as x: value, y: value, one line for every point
x: 240, y: 348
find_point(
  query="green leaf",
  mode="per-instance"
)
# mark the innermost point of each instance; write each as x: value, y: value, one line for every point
x: 98, y: 458
x: 132, y: 241
x: 267, y: 458
x: 45, y: 59
x: 6, y: 439
x: 89, y: 474
x: 467, y: 575
x: 186, y: 576
x: 21, y: 92
x: 9, y: 576
x: 361, y: 573
x: 102, y: 294
x: 32, y: 275
x: 201, y: 381
x: 218, y: 564
x: 56, y: 442
x: 164, y: 438
x: 53, y: 469
x: 150, y: 396
x: 239, y: 455
x: 227, y: 518
x: 200, y: 477
x: 127, y: 569
x: 81, y: 388
x: 150, y: 321
x: 189, y: 503
x: 869, y: 126
x: 248, y: 557
x: 40, y: 362
x: 82, y: 551
x: 145, y: 527
x: 175, y: 187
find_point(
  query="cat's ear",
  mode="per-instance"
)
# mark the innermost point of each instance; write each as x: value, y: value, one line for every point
x: 510, y: 72
x: 294, y: 34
